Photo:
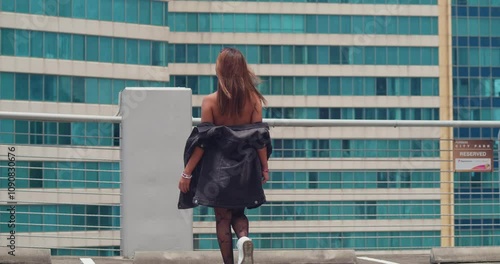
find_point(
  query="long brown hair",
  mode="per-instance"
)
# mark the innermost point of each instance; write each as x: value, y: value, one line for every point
x: 237, y: 84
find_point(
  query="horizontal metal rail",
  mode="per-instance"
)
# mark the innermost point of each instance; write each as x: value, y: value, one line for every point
x: 377, y: 123
x: 326, y: 206
x: 58, y: 117
x: 273, y: 122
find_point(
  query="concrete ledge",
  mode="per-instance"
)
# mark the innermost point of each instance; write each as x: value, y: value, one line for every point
x: 260, y: 257
x: 465, y: 255
x: 25, y: 256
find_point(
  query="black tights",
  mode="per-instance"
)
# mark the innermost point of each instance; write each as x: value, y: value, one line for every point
x: 225, y: 218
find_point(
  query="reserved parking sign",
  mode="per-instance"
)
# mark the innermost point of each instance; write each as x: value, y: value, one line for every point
x: 473, y: 155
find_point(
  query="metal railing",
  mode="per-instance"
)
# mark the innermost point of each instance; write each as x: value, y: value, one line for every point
x: 363, y: 184
x: 65, y: 190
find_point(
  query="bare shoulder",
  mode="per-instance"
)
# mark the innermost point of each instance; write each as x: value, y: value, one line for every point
x: 209, y: 100
x: 207, y: 107
x: 256, y: 101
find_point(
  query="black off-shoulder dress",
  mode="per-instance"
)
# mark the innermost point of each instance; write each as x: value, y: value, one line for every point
x: 229, y: 175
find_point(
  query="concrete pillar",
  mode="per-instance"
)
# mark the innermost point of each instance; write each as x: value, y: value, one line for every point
x: 446, y: 114
x: 156, y: 123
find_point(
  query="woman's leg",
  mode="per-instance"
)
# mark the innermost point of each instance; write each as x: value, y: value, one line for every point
x: 239, y: 221
x: 223, y: 227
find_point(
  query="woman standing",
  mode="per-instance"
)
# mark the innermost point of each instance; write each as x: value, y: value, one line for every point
x: 226, y: 155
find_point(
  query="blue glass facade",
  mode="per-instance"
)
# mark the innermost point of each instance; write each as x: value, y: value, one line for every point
x: 353, y: 113
x: 401, y: 2
x: 336, y: 240
x: 66, y: 89
x: 87, y: 251
x: 354, y: 148
x: 146, y: 12
x: 337, y: 210
x: 476, y: 91
x: 63, y: 217
x: 22, y: 132
x: 353, y: 179
x: 315, y: 24
x: 311, y: 85
x: 374, y: 113
x: 315, y: 55
x: 64, y: 46
x: 59, y: 174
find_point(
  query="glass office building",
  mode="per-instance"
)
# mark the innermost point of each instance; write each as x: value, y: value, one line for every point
x: 362, y: 188
x: 73, y: 57
x: 476, y: 96
x: 331, y: 187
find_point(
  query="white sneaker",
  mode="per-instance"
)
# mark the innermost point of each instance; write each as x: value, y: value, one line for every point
x: 245, y: 250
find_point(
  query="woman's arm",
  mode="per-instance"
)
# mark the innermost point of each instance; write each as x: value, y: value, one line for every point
x: 263, y: 161
x: 206, y: 116
x: 193, y: 161
x: 257, y: 117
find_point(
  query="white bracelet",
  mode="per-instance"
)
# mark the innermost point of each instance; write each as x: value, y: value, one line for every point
x: 185, y: 176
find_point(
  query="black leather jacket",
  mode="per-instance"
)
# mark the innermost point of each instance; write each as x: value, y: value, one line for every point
x: 229, y: 175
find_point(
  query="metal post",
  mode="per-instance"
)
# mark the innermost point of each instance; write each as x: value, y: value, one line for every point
x: 155, y: 125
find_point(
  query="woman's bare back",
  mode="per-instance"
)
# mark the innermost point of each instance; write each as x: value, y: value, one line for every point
x: 211, y: 112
